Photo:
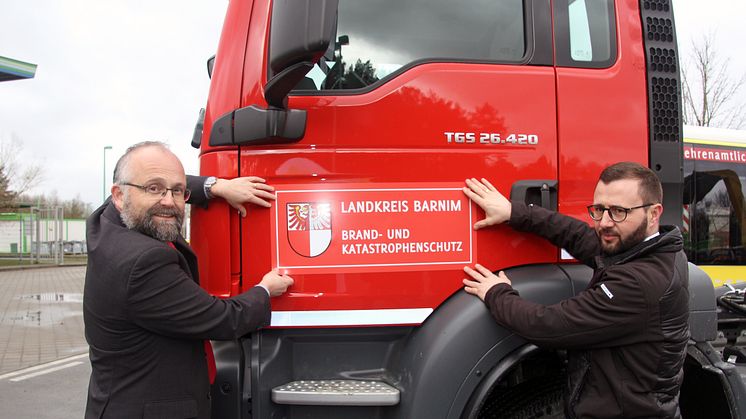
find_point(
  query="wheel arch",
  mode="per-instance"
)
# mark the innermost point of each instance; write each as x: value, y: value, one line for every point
x: 460, y: 345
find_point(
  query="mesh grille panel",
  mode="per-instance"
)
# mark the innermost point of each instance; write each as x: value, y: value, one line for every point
x: 663, y: 71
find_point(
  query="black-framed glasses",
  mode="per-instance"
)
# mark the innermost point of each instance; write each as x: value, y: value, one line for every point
x: 160, y: 191
x: 616, y: 213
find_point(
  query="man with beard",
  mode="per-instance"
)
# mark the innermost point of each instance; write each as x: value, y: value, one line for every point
x: 626, y: 333
x: 147, y: 321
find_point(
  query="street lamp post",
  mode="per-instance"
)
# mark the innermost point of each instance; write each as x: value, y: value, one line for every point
x: 108, y: 147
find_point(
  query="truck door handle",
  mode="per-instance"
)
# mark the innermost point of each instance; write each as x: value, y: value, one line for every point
x: 537, y: 192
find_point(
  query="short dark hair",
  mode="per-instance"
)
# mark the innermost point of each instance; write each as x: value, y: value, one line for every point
x: 121, y: 168
x: 651, y: 190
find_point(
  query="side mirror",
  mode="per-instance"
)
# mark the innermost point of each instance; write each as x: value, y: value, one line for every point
x: 198, y: 127
x: 293, y: 51
x: 210, y: 65
x: 300, y: 34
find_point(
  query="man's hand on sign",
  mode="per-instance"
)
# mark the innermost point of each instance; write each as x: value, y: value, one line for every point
x: 482, y: 279
x: 276, y: 283
x: 496, y: 207
x: 249, y: 189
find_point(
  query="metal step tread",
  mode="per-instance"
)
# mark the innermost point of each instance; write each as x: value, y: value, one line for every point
x: 336, y: 393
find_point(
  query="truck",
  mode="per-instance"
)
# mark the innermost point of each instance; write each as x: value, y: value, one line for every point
x: 367, y: 117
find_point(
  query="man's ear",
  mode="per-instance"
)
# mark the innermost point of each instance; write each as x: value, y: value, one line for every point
x: 656, y: 210
x: 117, y: 196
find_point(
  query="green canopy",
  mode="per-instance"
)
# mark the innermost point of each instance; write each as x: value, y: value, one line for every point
x: 11, y: 69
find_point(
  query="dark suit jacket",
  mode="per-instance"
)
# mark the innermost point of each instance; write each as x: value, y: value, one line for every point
x: 145, y: 321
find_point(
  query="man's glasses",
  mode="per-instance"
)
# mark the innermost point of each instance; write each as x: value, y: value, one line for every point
x: 616, y: 213
x: 160, y: 191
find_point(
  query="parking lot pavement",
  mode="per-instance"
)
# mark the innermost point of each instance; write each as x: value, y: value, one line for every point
x: 41, y: 392
x: 41, y: 316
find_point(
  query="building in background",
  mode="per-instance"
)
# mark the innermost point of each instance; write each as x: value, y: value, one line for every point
x: 18, y: 233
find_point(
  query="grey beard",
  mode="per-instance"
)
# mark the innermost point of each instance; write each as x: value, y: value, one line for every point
x: 144, y: 223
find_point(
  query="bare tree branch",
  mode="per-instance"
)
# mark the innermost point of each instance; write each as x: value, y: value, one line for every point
x: 708, y: 91
x: 20, y: 178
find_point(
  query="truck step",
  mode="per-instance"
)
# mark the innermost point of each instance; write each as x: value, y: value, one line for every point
x: 336, y: 393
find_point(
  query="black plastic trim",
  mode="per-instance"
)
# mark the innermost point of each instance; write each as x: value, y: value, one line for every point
x: 535, y: 192
x: 580, y: 276
x: 298, y: 32
x: 210, y: 66
x: 482, y: 344
x: 474, y: 406
x: 222, y: 131
x: 733, y: 383
x: 298, y: 39
x: 541, y: 22
x: 253, y: 125
x: 226, y: 390
x: 277, y: 88
x: 703, y: 315
x: 664, y: 104
x: 198, y: 127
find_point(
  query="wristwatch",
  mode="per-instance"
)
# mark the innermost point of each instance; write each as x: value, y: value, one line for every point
x: 209, y: 182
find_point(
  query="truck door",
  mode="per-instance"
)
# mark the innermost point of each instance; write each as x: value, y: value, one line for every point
x: 413, y: 94
x: 600, y: 81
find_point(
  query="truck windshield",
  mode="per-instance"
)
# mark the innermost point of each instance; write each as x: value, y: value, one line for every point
x: 378, y: 37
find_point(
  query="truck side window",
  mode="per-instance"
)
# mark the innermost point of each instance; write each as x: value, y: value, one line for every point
x: 376, y: 38
x: 585, y: 33
x: 580, y: 32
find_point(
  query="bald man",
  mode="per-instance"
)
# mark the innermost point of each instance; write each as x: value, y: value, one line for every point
x: 146, y: 317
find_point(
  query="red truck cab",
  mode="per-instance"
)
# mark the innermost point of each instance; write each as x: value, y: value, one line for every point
x: 361, y: 112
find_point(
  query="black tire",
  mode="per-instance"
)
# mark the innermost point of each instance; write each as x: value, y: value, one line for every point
x: 536, y: 398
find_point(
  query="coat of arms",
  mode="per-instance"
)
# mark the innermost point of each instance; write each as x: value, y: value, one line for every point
x: 309, y: 227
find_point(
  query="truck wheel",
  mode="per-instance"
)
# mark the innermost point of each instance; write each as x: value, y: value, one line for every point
x: 536, y: 398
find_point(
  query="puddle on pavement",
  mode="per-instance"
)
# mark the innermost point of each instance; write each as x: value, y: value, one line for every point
x: 45, y: 309
x: 31, y: 316
x: 52, y: 297
x: 44, y: 317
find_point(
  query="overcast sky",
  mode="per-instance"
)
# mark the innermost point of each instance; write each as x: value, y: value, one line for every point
x: 115, y: 72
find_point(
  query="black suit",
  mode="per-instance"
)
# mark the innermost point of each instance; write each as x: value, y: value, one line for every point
x: 145, y: 321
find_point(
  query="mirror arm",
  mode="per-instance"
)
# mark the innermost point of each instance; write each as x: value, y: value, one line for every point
x: 278, y: 87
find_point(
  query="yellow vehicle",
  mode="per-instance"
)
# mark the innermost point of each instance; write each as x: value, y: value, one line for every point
x: 713, y: 213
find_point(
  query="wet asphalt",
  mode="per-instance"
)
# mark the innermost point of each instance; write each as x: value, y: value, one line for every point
x: 44, y: 365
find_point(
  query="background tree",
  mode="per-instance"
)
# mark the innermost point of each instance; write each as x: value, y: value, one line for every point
x: 16, y: 178
x: 362, y: 73
x: 76, y: 208
x: 7, y: 197
x: 72, y: 208
x: 709, y: 92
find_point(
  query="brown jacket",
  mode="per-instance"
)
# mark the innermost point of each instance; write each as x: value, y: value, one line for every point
x: 626, y: 334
